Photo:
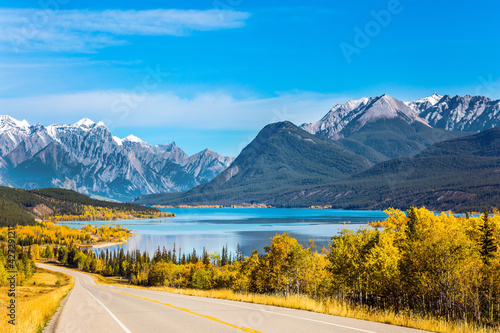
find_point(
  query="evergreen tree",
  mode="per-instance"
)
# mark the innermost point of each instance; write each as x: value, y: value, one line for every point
x: 63, y: 255
x: 488, y: 244
x: 224, y: 257
x: 411, y: 215
x: 49, y: 254
x: 205, y: 258
x: 174, y: 256
x: 157, y: 255
x: 194, y: 257
x: 239, y: 253
x: 164, y: 254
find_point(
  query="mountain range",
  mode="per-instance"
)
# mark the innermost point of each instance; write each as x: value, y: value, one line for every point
x: 402, y: 147
x: 349, y: 143
x: 87, y: 158
x: 383, y: 127
x: 451, y: 113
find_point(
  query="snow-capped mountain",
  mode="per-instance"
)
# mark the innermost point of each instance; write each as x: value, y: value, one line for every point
x: 335, y: 120
x: 86, y: 157
x: 381, y: 128
x: 467, y: 113
x: 423, y: 104
x: 355, y: 114
x: 12, y: 132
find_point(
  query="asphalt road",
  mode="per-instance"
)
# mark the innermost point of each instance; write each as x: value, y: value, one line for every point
x: 90, y: 307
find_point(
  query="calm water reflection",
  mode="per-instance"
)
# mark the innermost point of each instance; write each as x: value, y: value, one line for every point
x: 250, y: 227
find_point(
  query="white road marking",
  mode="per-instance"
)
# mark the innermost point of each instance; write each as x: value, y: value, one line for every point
x: 256, y: 309
x: 110, y: 313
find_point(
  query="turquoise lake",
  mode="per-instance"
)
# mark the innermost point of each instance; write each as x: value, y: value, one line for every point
x: 214, y: 228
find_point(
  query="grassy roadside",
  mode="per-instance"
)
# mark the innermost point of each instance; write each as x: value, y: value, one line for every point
x: 327, y: 307
x: 36, y: 302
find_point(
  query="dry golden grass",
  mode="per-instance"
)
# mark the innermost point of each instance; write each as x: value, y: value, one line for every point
x: 113, y: 280
x: 36, y: 302
x: 43, y: 278
x: 330, y: 307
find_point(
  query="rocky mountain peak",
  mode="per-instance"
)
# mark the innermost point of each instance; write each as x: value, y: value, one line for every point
x: 355, y: 114
x: 8, y: 123
x: 132, y: 138
x: 84, y: 122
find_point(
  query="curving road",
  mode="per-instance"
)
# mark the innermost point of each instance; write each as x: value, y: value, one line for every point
x: 90, y: 307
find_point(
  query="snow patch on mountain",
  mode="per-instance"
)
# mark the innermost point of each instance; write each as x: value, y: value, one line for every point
x: 132, y: 138
x: 432, y: 100
x: 85, y: 122
x: 8, y: 123
x: 422, y: 104
x: 336, y: 119
x: 467, y: 113
x: 12, y: 133
x: 118, y: 141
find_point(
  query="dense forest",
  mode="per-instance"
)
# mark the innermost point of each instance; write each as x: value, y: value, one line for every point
x: 22, y: 207
x: 442, y: 265
x: 48, y: 233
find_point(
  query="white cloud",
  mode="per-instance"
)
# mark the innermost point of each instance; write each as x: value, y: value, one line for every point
x: 65, y: 62
x: 85, y: 30
x: 213, y: 110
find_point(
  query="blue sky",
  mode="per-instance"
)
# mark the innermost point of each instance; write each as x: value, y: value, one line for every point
x: 213, y: 73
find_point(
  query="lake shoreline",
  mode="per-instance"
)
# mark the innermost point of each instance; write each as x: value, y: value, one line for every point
x: 104, y: 221
x: 102, y: 245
